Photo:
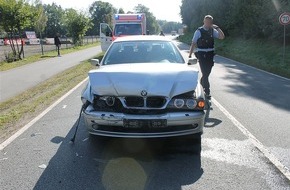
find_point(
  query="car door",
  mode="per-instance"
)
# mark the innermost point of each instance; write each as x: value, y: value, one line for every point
x: 106, y: 36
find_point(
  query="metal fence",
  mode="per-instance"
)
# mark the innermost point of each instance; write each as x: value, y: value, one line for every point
x: 30, y: 50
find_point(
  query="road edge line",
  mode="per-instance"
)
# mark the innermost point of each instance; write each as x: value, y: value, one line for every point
x: 267, y: 153
x: 33, y: 121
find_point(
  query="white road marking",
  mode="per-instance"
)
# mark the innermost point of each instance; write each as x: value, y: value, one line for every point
x: 267, y: 153
x: 27, y: 126
x: 85, y: 139
x: 64, y: 106
x: 42, y: 166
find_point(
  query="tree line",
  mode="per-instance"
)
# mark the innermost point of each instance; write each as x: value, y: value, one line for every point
x: 244, y: 18
x: 48, y: 20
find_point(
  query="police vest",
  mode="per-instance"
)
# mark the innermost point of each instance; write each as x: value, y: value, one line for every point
x: 206, y: 41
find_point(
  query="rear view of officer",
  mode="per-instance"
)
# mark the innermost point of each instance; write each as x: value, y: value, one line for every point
x: 203, y: 46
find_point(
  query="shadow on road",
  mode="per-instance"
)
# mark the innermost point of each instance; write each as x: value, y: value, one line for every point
x: 211, y: 122
x: 253, y: 83
x: 115, y: 163
x: 256, y: 84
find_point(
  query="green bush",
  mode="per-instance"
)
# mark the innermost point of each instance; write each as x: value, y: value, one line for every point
x: 265, y: 55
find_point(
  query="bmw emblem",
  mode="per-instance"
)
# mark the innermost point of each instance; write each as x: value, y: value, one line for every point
x: 143, y: 93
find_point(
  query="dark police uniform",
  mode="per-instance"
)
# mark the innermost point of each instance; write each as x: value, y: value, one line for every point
x: 204, y: 38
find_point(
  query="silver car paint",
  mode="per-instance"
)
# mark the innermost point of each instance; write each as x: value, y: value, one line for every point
x: 160, y: 79
x: 93, y: 119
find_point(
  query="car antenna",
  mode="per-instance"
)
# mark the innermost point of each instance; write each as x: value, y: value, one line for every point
x: 84, y: 106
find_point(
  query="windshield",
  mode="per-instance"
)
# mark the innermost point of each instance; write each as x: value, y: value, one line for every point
x: 143, y: 52
x: 128, y: 29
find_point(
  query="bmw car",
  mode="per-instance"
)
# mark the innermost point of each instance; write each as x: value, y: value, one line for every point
x: 143, y: 88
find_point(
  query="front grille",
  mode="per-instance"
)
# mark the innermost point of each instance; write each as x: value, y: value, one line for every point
x: 155, y: 102
x: 134, y: 105
x: 134, y: 101
x: 145, y: 102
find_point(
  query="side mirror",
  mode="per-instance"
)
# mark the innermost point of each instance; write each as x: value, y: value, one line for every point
x: 192, y: 61
x: 95, y: 62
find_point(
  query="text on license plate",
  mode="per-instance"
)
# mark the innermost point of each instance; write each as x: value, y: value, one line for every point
x: 143, y: 123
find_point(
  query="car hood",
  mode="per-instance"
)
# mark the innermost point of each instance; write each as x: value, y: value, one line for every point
x: 162, y: 79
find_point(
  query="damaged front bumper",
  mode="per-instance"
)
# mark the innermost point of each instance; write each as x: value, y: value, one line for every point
x: 163, y: 125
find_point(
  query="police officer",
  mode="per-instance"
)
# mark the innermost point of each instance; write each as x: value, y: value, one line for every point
x: 203, y: 46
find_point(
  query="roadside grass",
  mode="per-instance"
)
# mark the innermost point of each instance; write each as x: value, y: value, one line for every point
x: 18, y: 111
x: 4, y: 66
x: 265, y: 55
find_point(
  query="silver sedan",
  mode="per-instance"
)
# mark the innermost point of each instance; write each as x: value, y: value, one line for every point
x: 143, y: 88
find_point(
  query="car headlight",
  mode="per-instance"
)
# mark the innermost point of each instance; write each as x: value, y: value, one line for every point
x: 191, y: 103
x: 186, y: 103
x: 178, y: 103
x: 110, y: 100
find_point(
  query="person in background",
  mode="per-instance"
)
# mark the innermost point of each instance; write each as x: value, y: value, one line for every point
x: 161, y: 33
x: 57, y: 43
x: 203, y: 46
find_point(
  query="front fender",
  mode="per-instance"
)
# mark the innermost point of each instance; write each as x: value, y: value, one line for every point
x: 87, y: 93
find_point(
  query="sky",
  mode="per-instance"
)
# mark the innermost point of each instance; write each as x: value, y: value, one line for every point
x: 162, y: 9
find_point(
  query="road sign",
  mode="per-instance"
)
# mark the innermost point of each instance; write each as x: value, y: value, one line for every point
x: 284, y: 18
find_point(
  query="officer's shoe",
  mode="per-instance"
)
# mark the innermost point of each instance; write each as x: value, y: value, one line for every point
x: 208, y: 96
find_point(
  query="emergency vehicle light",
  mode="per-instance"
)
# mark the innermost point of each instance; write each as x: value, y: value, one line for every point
x: 130, y: 17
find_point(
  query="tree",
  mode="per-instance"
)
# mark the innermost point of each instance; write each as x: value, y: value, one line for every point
x: 77, y: 25
x: 16, y: 15
x: 151, y: 22
x: 121, y: 11
x: 55, y: 24
x: 167, y: 27
x: 100, y: 12
x: 40, y: 23
x: 239, y: 18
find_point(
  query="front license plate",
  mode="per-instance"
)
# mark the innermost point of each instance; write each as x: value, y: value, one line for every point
x: 143, y: 123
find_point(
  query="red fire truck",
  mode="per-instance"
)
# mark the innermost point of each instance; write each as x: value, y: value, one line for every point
x: 123, y: 25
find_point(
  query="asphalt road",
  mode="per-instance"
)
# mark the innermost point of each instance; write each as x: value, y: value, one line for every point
x: 15, y: 81
x: 42, y: 158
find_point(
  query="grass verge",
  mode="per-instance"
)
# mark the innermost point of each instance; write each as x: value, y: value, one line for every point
x: 4, y: 66
x: 18, y: 111
x: 265, y: 55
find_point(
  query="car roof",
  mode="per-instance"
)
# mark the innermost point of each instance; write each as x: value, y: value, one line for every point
x: 142, y: 38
